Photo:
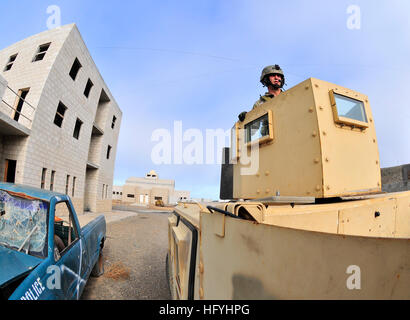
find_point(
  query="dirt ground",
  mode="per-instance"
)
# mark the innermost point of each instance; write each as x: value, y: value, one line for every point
x: 134, y: 255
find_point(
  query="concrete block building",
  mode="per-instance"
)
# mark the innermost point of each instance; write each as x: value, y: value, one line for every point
x: 395, y: 179
x: 59, y: 123
x: 146, y: 190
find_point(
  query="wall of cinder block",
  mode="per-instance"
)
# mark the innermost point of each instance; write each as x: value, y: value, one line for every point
x: 50, y: 146
x: 396, y: 179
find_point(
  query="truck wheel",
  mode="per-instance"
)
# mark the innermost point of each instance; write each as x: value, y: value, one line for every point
x: 98, y: 269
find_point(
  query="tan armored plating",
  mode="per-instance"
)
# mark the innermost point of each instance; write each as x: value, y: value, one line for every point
x: 309, y: 151
x: 311, y: 222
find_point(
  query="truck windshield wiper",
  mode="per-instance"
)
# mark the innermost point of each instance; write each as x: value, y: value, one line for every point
x: 28, y: 238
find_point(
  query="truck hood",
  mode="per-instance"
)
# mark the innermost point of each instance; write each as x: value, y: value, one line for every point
x: 15, y: 264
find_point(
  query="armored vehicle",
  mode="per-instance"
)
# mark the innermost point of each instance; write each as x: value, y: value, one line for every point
x: 303, y: 215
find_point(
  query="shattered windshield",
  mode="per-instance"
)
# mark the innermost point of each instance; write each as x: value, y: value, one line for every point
x: 23, y: 224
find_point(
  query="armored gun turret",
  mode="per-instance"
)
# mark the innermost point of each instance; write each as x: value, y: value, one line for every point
x: 303, y: 216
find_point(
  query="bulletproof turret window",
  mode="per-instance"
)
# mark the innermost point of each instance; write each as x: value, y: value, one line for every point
x: 75, y: 68
x: 11, y: 62
x: 348, y: 111
x: 41, y: 52
x: 260, y: 129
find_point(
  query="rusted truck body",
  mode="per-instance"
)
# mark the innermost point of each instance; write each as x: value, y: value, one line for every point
x: 304, y: 218
x: 44, y: 252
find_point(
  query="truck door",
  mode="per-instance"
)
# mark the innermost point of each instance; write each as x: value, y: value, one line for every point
x: 183, y: 257
x: 67, y: 250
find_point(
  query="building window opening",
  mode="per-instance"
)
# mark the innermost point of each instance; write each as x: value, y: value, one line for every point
x: 53, y: 173
x: 43, y: 178
x: 11, y: 62
x: 10, y: 171
x: 22, y: 94
x: 114, y: 119
x: 75, y: 68
x: 73, y: 189
x: 41, y: 52
x: 109, y: 152
x: 130, y: 196
x: 77, y: 129
x: 88, y: 88
x: 67, y: 182
x: 58, y: 119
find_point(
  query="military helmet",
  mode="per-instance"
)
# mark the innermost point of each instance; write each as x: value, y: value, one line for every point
x: 274, y: 69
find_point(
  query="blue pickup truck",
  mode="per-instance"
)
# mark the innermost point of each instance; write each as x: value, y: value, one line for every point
x: 44, y: 253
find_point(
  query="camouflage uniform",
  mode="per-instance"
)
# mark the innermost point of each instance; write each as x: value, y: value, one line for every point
x: 265, y: 98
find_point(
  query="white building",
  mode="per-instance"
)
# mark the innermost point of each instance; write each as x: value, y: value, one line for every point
x: 59, y: 123
x: 148, y: 189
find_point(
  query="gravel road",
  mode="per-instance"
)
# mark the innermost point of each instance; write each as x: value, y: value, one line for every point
x: 134, y: 255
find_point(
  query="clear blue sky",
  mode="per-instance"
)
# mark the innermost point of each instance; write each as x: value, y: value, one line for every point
x: 199, y: 62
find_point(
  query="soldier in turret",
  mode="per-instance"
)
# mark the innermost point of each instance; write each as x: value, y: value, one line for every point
x: 273, y: 78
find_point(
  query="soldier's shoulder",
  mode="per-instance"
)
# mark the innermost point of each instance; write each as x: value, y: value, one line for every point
x: 261, y: 100
x: 257, y: 103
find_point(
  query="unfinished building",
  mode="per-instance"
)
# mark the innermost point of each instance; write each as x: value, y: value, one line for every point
x: 149, y: 189
x: 59, y: 123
